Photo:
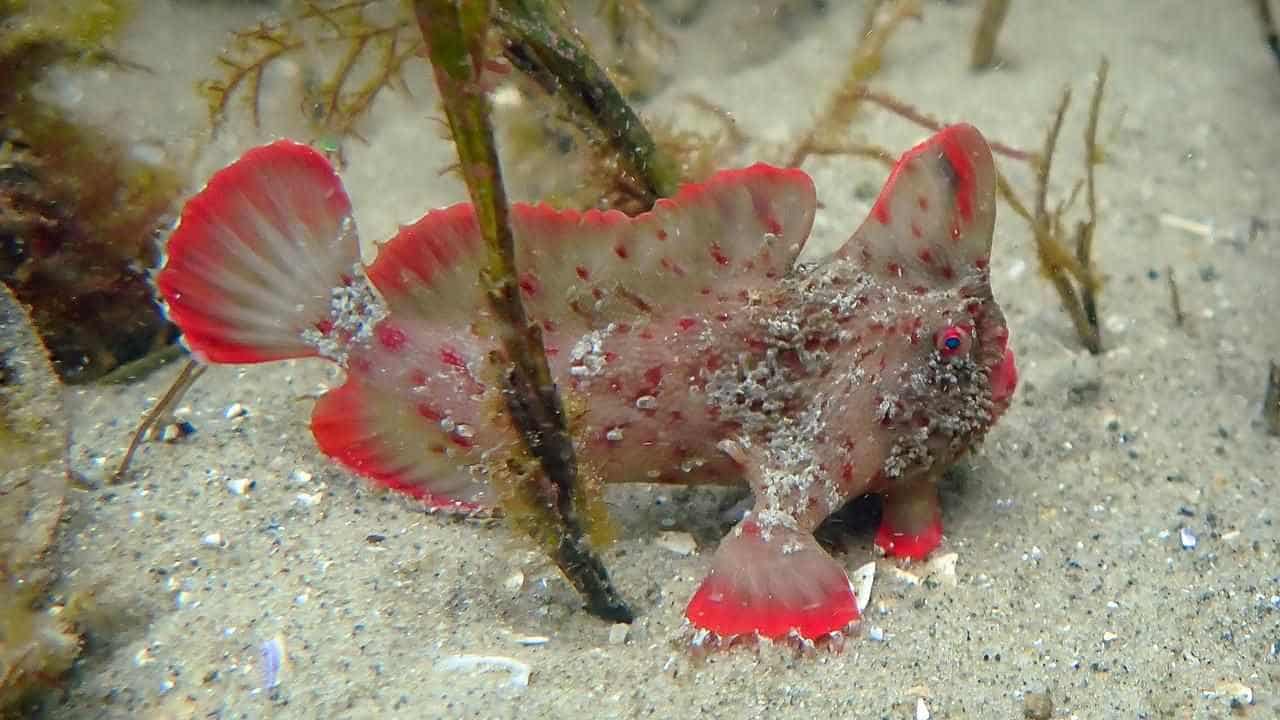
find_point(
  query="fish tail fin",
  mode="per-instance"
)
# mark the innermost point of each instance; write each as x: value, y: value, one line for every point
x: 258, y: 262
x: 771, y: 579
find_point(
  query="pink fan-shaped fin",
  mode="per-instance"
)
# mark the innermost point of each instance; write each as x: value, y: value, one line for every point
x: 931, y: 225
x: 411, y: 415
x: 773, y: 582
x: 253, y: 262
x: 739, y: 228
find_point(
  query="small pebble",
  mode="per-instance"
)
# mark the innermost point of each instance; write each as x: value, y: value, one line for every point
x: 1238, y: 695
x: 240, y: 486
x: 618, y: 633
x: 235, y: 410
x: 308, y: 500
x: 514, y: 582
x: 922, y: 710
x: 680, y: 543
x: 1037, y: 706
x: 876, y: 634
x: 213, y: 540
x: 1188, y: 538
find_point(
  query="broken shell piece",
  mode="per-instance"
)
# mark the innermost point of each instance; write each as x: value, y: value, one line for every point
x: 240, y: 486
x: 235, y: 410
x: 618, y: 633
x: 519, y: 672
x: 903, y: 576
x: 922, y: 710
x: 943, y: 569
x: 680, y: 543
x: 863, y: 578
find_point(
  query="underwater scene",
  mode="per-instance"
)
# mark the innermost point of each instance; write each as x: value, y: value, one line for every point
x: 639, y: 358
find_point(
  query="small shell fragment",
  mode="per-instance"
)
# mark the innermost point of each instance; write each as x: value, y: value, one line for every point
x: 943, y: 569
x: 240, y: 486
x: 514, y: 582
x: 1188, y: 538
x: 680, y: 543
x: 922, y: 710
x: 863, y: 578
x: 618, y: 633
x: 519, y: 672
x: 235, y: 410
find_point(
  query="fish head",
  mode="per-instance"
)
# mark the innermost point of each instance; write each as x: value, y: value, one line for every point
x: 944, y: 372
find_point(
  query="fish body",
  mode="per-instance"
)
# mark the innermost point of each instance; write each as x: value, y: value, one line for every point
x: 694, y: 345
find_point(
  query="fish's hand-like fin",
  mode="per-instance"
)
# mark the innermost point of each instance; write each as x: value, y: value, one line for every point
x: 931, y: 225
x: 412, y: 415
x: 260, y: 256
x: 581, y: 270
x: 772, y: 580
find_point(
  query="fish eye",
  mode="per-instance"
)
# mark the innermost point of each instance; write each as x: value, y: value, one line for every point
x: 952, y: 341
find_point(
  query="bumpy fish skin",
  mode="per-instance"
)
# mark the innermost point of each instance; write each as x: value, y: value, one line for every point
x: 700, y: 351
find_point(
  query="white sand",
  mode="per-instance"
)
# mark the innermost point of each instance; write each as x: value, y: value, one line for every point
x: 1071, y: 574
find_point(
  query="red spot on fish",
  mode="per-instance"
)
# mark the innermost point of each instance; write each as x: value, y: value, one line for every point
x: 548, y: 326
x: 437, y: 449
x: 429, y: 413
x: 465, y: 443
x: 772, y: 225
x: 672, y: 267
x: 981, y: 263
x: 718, y: 255
x: 597, y: 293
x: 646, y: 334
x: 894, y: 269
x: 583, y: 273
x: 712, y: 362
x: 722, y: 317
x: 661, y: 234
x: 417, y: 378
x: 686, y: 324
x: 947, y: 272
x: 622, y: 328
x: 846, y: 472
x: 923, y: 202
x: 653, y: 376
x: 552, y: 350
x: 678, y: 417
x: 452, y: 358
x: 916, y: 232
x: 529, y: 284
x: 610, y: 356
x: 926, y: 256
x: 621, y: 251
x: 919, y: 290
x: 325, y: 327
x: 391, y: 337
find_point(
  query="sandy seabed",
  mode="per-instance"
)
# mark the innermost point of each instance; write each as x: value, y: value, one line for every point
x: 1117, y: 538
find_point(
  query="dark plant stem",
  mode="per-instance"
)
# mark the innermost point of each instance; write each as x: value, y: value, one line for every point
x: 455, y: 33
x: 541, y: 45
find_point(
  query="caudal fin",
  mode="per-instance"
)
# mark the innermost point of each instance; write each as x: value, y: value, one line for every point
x: 261, y: 257
x: 774, y: 581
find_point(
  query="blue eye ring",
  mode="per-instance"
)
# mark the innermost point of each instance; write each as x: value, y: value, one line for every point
x: 952, y: 340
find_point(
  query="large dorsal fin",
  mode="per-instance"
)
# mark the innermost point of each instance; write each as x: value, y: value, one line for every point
x: 740, y: 229
x: 931, y: 225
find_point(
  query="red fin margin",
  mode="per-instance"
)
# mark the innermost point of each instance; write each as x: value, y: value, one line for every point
x: 774, y: 583
x: 256, y: 254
